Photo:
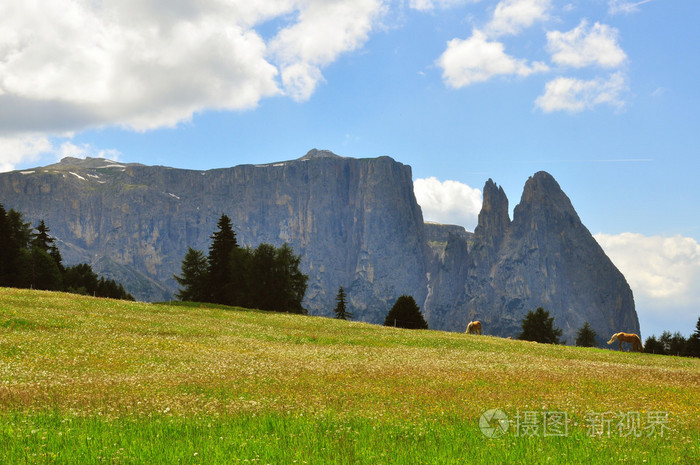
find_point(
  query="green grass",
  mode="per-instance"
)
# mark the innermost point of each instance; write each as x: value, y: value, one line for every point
x: 86, y: 380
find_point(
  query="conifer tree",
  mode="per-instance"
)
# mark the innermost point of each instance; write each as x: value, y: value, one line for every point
x: 43, y: 241
x: 193, y: 280
x: 293, y: 280
x: 341, y: 311
x: 275, y: 282
x: 7, y: 250
x: 220, y: 262
x: 586, y: 336
x: 41, y: 238
x: 38, y: 270
x: 654, y: 346
x: 692, y: 346
x: 20, y: 231
x: 405, y: 314
x: 674, y: 344
x: 538, y: 326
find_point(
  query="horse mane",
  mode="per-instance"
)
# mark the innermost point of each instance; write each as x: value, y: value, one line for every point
x: 614, y: 336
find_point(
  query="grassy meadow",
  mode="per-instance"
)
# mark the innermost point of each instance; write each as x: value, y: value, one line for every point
x: 85, y: 380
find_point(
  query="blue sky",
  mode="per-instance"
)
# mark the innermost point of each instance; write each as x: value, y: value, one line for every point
x: 602, y: 94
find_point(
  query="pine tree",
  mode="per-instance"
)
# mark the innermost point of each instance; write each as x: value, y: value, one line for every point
x: 293, y: 280
x: 674, y: 344
x: 15, y: 237
x: 20, y: 231
x: 220, y: 263
x: 7, y: 251
x: 38, y: 270
x: 43, y: 241
x: 654, y: 346
x: 539, y: 327
x: 692, y: 346
x: 193, y: 280
x: 274, y: 280
x: 341, y: 311
x: 80, y: 279
x: 586, y: 336
x: 405, y: 314
x: 41, y: 238
x: 264, y: 281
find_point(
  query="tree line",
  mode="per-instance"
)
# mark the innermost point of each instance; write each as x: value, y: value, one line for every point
x: 675, y: 344
x: 265, y: 278
x: 29, y: 258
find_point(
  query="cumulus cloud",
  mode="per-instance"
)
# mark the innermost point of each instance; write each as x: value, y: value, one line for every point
x: 512, y: 16
x: 664, y: 274
x: 482, y: 57
x: 575, y: 95
x: 69, y: 149
x: 143, y: 64
x: 479, y: 58
x: 476, y: 59
x: 70, y: 64
x: 325, y: 29
x: 585, y: 46
x: 27, y: 148
x: 448, y: 202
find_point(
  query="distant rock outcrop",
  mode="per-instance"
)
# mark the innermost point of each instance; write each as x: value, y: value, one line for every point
x: 356, y: 224
x: 545, y: 258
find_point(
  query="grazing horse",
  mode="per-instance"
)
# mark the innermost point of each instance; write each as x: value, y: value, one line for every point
x: 474, y: 327
x: 627, y: 337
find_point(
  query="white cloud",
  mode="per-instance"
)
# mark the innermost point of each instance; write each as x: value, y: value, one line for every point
x: 68, y: 149
x: 466, y: 62
x: 625, y: 6
x: 325, y: 30
x: 28, y: 148
x: 512, y: 16
x: 448, y: 202
x: 66, y: 65
x: 574, y: 95
x: 143, y: 64
x: 664, y: 274
x: 23, y: 149
x: 585, y: 46
x: 429, y: 5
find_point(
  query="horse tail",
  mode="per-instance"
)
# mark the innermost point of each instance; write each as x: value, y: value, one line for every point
x: 612, y: 339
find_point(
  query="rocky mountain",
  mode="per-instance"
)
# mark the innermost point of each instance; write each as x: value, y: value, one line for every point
x: 356, y: 224
x: 545, y: 257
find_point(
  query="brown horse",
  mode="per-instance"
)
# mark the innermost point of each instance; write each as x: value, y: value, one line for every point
x: 474, y: 327
x: 627, y: 337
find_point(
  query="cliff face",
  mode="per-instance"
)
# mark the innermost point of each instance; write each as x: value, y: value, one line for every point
x: 545, y: 258
x: 356, y: 224
x: 354, y: 221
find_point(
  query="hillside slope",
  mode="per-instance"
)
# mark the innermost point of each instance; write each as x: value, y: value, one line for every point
x: 159, y: 383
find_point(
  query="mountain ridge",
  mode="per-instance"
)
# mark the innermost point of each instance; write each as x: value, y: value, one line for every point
x: 356, y: 224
